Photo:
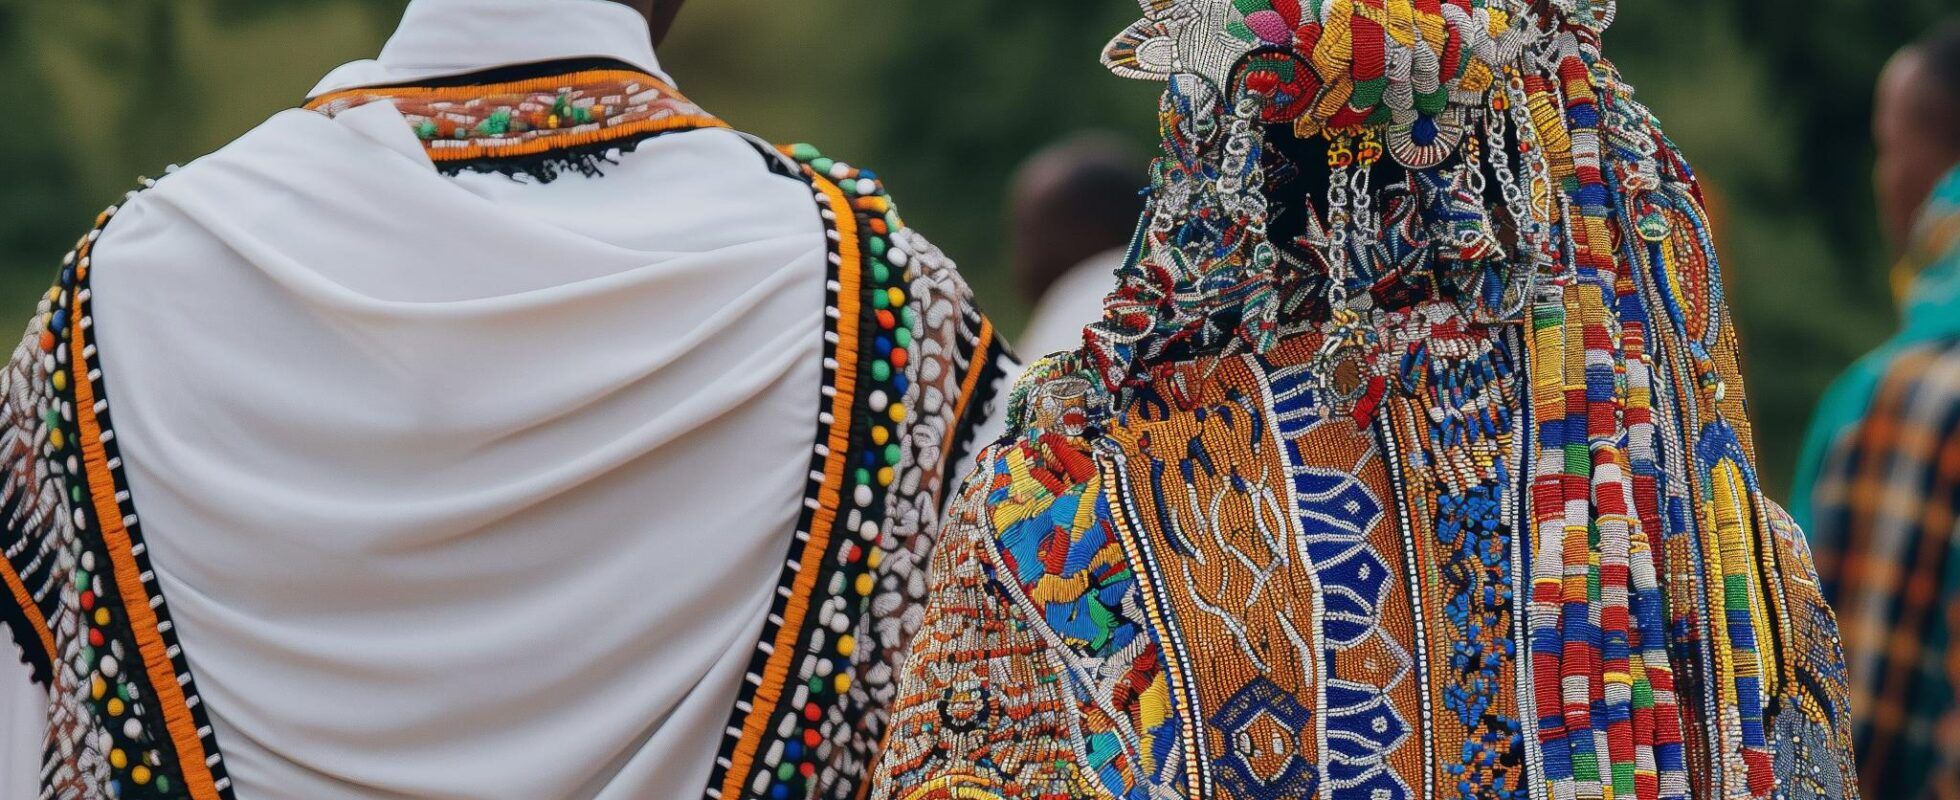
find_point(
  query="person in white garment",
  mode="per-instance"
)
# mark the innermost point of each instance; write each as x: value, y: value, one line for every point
x: 1074, y: 207
x: 499, y: 424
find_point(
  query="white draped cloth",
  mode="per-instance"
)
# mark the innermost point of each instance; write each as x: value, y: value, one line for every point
x: 1074, y: 302
x: 461, y: 487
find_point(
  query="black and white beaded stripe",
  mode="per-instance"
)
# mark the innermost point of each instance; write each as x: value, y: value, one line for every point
x: 89, y: 521
x: 820, y: 455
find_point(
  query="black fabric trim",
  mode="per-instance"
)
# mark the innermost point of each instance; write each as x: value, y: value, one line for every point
x: 512, y: 73
x: 589, y: 160
x: 990, y: 387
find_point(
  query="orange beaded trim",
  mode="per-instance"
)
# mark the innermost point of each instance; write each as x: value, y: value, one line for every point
x: 775, y: 674
x: 30, y: 610
x: 533, y: 116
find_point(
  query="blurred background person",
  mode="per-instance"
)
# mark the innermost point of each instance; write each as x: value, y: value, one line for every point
x: 1885, y: 450
x: 1074, y: 208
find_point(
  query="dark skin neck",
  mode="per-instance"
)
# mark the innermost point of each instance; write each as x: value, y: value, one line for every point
x: 659, y: 13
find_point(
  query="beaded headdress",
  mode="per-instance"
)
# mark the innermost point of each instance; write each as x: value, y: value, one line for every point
x: 1242, y: 240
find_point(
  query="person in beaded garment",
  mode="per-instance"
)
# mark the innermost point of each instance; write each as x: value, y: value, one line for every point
x: 498, y: 424
x: 1410, y: 458
x: 1882, y: 462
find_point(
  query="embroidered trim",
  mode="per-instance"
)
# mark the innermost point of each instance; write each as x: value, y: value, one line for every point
x: 125, y: 716
x: 575, y: 118
x: 906, y: 359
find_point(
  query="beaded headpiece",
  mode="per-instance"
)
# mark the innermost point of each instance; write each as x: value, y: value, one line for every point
x: 1242, y: 242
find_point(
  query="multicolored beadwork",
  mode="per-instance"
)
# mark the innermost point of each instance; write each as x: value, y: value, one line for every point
x: 559, y: 119
x: 124, y: 713
x: 910, y: 366
x: 1418, y: 416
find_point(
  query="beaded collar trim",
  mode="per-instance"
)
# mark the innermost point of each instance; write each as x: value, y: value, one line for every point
x: 590, y: 112
x: 125, y: 718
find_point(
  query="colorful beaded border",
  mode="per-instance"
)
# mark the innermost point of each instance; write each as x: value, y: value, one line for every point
x: 146, y: 719
x: 594, y: 108
x: 858, y: 220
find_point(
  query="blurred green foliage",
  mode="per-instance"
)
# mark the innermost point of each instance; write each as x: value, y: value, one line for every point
x: 1770, y: 98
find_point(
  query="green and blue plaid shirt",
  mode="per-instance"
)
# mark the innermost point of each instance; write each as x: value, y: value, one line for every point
x: 1882, y: 482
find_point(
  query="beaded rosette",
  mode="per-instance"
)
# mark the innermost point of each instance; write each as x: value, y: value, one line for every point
x: 1409, y: 460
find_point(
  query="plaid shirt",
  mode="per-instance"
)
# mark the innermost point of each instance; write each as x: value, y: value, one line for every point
x: 1887, y: 500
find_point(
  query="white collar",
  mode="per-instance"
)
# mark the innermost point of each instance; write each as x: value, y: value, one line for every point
x: 439, y: 38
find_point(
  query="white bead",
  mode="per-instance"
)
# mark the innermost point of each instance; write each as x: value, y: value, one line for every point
x: 132, y: 728
x: 108, y: 666
x: 879, y: 401
x: 866, y: 186
x: 862, y: 495
x: 840, y: 170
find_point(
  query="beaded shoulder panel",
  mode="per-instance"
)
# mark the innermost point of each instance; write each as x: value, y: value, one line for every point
x: 535, y: 126
x: 125, y: 718
x: 910, y: 368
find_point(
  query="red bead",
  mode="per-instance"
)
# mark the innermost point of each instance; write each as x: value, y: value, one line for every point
x: 88, y: 601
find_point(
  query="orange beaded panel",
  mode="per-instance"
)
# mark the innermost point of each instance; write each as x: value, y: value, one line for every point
x: 529, y: 117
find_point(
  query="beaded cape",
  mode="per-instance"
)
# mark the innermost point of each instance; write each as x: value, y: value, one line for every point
x: 910, y: 367
x: 1409, y: 460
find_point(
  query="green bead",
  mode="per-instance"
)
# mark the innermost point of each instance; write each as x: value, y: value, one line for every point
x: 891, y: 220
x: 804, y: 152
x: 907, y: 316
x: 880, y: 272
x: 785, y: 772
x: 816, y: 686
x: 163, y: 784
x: 878, y: 246
x: 427, y: 129
x: 881, y: 370
x: 122, y: 691
x: 81, y: 581
x: 881, y: 300
x: 822, y: 164
x: 88, y: 655
x: 903, y: 336
x: 892, y: 454
x: 863, y: 476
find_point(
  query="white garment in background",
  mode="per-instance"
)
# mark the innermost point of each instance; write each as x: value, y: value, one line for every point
x: 1074, y: 302
x: 464, y: 487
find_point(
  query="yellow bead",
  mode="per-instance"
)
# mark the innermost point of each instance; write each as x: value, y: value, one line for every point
x: 118, y: 759
x: 885, y: 476
x: 843, y: 682
x: 102, y: 616
x: 898, y: 297
x: 879, y: 435
x: 898, y: 412
x: 96, y: 688
x: 141, y: 774
x: 60, y: 381
x: 864, y: 584
x: 115, y: 706
x: 846, y: 645
x: 877, y: 557
x: 55, y: 436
